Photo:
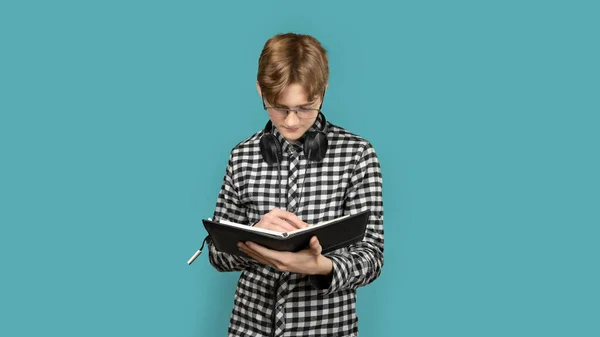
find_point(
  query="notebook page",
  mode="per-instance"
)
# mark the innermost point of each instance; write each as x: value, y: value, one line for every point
x: 318, y: 225
x: 256, y: 229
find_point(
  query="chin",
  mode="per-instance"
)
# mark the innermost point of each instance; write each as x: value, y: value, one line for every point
x: 292, y: 135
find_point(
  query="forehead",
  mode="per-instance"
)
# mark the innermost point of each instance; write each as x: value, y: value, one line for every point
x: 293, y: 95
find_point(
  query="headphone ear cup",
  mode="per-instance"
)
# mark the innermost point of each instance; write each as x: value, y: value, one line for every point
x: 315, y: 146
x: 270, y: 149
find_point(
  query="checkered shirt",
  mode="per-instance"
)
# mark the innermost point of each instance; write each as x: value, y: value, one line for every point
x: 348, y: 180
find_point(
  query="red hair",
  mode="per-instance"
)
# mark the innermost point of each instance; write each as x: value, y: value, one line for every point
x: 292, y: 59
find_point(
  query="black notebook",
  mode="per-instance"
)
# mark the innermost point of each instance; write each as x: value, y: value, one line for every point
x: 332, y: 234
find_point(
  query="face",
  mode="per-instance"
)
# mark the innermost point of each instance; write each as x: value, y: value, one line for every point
x: 291, y: 127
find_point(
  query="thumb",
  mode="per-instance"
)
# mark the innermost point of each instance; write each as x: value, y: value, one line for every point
x: 315, y: 246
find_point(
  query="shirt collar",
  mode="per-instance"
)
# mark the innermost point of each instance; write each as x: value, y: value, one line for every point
x: 296, y: 146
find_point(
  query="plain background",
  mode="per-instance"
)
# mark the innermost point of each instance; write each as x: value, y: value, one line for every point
x: 117, y: 118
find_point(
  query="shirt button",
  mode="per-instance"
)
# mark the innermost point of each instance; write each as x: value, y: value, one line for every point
x: 280, y: 308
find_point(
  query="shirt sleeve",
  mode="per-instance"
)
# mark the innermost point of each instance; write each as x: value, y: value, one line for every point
x: 229, y: 208
x: 361, y: 263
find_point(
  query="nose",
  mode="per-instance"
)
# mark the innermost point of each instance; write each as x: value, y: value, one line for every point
x: 292, y: 120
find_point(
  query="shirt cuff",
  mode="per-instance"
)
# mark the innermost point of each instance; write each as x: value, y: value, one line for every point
x: 332, y: 282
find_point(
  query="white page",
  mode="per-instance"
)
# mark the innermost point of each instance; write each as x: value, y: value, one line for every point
x: 256, y: 229
x: 268, y: 231
x: 317, y: 225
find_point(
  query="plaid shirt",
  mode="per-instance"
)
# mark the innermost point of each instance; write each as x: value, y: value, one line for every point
x: 348, y: 180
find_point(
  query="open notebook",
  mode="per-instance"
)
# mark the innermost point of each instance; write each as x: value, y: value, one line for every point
x: 332, y: 234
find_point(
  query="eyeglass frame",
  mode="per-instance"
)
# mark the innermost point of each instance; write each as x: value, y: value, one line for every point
x: 287, y: 110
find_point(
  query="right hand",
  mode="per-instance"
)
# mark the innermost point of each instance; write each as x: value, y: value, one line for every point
x: 281, y: 221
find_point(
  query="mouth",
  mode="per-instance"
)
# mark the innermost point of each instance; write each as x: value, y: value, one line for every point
x: 291, y: 129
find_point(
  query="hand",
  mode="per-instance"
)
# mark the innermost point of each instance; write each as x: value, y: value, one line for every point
x: 308, y: 261
x: 281, y: 221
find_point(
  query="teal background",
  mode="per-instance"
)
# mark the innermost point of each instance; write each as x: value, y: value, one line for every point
x: 117, y: 117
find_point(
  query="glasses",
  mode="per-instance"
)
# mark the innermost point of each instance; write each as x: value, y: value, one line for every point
x: 300, y: 112
x: 283, y: 112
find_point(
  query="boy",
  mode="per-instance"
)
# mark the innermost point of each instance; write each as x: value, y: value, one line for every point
x: 299, y: 169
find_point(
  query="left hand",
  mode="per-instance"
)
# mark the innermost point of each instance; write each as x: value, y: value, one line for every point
x: 308, y: 261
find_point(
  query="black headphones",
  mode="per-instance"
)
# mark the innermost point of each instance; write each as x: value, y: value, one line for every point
x: 315, y: 143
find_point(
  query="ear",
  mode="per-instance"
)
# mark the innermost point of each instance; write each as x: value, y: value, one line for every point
x: 258, y: 88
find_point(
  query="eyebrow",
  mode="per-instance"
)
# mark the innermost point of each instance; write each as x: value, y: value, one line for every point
x: 287, y: 107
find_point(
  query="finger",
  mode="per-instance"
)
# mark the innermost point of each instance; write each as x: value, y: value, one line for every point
x: 272, y: 220
x: 291, y: 218
x: 252, y: 254
x: 256, y: 258
x: 279, y: 227
x: 315, y: 246
x: 298, y: 225
x: 266, y: 253
x: 286, y: 226
x: 294, y: 220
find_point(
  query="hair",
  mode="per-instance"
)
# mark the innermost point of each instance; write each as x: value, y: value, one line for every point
x: 292, y: 59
